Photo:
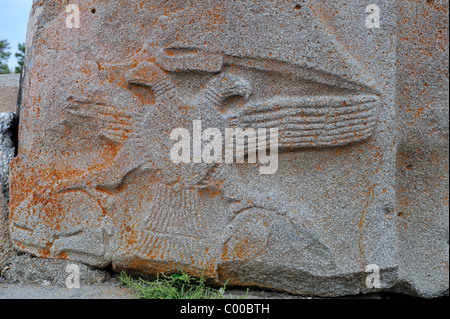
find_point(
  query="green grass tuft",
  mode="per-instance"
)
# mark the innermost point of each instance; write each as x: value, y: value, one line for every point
x: 176, y: 286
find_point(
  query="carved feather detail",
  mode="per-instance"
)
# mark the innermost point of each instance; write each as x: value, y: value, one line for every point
x: 313, y: 121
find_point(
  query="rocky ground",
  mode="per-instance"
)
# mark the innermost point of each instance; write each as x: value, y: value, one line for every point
x: 27, y: 277
x: 108, y: 290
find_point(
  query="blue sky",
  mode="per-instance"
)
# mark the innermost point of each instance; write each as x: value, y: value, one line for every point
x: 13, y: 24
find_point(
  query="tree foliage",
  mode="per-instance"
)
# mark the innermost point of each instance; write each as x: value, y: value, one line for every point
x: 4, y: 57
x: 20, y: 57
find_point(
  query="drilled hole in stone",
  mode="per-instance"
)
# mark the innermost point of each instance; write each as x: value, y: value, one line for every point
x: 93, y: 10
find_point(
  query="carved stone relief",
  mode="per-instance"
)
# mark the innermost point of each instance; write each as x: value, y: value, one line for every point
x: 94, y: 181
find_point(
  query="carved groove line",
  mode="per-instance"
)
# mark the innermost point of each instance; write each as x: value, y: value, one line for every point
x: 174, y: 213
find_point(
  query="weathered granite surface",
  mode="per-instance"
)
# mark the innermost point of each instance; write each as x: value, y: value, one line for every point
x: 9, y: 87
x: 7, y: 150
x: 6, y: 155
x: 21, y: 269
x: 423, y: 147
x: 6, y: 248
x: 94, y: 181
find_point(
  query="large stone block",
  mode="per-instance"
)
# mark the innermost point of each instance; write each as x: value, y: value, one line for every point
x: 96, y: 181
x: 423, y: 146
